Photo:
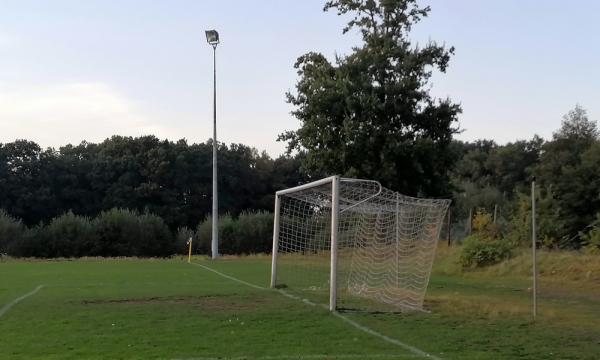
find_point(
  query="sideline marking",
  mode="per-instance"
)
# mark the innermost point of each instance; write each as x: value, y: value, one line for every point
x: 8, y: 306
x: 356, y: 325
x: 410, y: 348
x: 230, y: 277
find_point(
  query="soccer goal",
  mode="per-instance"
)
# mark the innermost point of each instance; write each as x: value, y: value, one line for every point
x: 354, y: 244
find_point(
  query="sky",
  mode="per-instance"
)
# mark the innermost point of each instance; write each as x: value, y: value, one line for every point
x: 74, y: 70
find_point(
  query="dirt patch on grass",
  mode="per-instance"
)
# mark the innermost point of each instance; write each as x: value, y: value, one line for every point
x: 206, y: 303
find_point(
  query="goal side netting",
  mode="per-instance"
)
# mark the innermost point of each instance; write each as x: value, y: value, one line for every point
x: 354, y: 244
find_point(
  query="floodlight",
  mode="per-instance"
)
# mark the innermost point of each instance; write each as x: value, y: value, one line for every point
x: 212, y: 37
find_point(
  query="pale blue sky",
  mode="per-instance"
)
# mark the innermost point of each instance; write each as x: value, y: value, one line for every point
x: 73, y: 70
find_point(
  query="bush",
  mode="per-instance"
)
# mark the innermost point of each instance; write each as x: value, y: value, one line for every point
x: 478, y: 251
x: 203, y: 235
x: 591, y: 240
x: 227, y: 235
x: 121, y: 232
x: 11, y: 231
x: 549, y: 224
x: 254, y: 232
x: 155, y: 238
x: 118, y: 233
x: 68, y: 235
x: 484, y: 225
x: 251, y: 232
x: 29, y: 245
x: 227, y: 240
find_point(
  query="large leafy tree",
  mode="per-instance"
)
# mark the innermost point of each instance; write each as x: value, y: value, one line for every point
x: 370, y: 114
x: 568, y: 164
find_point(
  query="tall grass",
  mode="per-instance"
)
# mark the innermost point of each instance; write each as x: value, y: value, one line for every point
x: 559, y: 265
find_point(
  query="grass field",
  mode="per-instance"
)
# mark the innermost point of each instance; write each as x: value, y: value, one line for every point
x: 168, y: 309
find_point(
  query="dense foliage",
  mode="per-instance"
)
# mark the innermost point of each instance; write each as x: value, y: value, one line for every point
x: 485, y: 246
x: 369, y: 114
x: 250, y: 232
x: 122, y: 232
x: 145, y: 174
x: 567, y: 174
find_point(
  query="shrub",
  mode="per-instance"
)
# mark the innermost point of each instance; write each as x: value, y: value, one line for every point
x: 155, y: 238
x: 117, y: 231
x: 203, y: 235
x: 591, y: 239
x: 549, y: 224
x: 31, y: 244
x: 479, y: 250
x: 68, y: 235
x: 251, y: 232
x: 484, y: 224
x: 11, y: 231
x: 254, y: 232
x: 226, y: 235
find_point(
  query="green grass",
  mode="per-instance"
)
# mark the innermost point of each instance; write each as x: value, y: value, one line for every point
x: 148, y: 309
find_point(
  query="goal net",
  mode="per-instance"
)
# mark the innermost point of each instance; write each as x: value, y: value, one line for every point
x: 354, y: 244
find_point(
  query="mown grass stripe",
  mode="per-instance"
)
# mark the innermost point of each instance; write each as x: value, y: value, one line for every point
x: 8, y: 306
x: 412, y: 349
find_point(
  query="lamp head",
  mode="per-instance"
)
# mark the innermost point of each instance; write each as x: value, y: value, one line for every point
x: 212, y: 37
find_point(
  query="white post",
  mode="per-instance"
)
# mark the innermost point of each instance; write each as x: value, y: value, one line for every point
x: 275, y: 241
x: 397, y: 239
x: 214, y: 247
x: 533, y: 248
x: 335, y: 212
x: 470, y: 221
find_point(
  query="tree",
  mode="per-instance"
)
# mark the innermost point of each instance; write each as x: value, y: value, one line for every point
x: 370, y: 114
x: 577, y: 125
x: 569, y: 164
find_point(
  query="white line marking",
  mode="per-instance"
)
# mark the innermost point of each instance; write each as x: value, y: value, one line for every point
x: 8, y: 306
x: 306, y: 301
x: 230, y: 277
x: 356, y: 325
x: 410, y: 348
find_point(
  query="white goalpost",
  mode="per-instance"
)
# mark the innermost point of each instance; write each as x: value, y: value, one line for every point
x: 354, y: 244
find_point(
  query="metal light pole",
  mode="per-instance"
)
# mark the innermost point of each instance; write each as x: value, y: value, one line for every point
x: 533, y: 249
x: 212, y: 37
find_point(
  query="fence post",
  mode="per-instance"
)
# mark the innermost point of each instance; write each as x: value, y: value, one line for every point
x: 449, y: 228
x: 495, y: 212
x: 469, y: 229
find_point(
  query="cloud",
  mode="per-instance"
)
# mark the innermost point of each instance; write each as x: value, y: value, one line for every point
x: 56, y: 114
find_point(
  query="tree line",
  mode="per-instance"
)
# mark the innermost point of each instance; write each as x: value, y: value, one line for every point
x: 567, y: 172
x: 143, y: 174
x: 135, y: 197
x: 123, y: 232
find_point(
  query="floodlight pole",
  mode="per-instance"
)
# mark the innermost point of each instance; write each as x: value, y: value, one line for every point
x: 215, y: 194
x: 212, y: 37
x: 533, y: 249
